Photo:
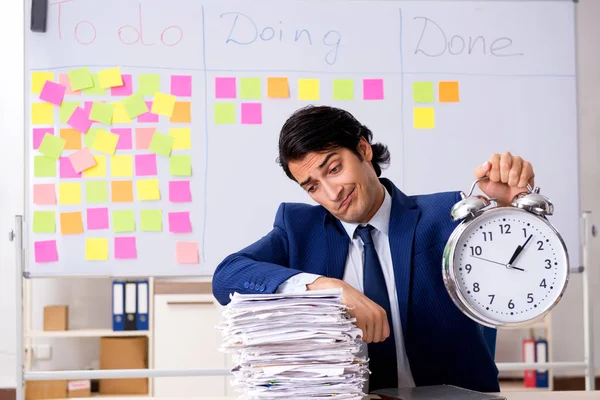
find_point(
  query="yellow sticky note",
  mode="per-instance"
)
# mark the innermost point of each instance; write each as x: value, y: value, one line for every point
x: 163, y: 104
x: 98, y: 170
x: 121, y: 166
x: 42, y: 114
x: 424, y: 118
x: 96, y: 249
x: 120, y: 115
x: 110, y: 78
x: 147, y: 189
x: 181, y: 138
x: 69, y: 193
x: 106, y: 142
x: 308, y: 89
x: 38, y: 79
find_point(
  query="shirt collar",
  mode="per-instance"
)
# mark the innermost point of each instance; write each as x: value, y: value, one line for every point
x: 380, y: 221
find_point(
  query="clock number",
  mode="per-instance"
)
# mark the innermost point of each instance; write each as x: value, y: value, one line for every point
x: 541, y: 244
x: 476, y: 250
x: 485, y: 236
x: 543, y: 284
x: 504, y: 228
x: 468, y: 268
x: 548, y: 264
x: 511, y: 305
x: 476, y: 287
x: 530, y: 297
x: 492, y: 297
x: 525, y: 232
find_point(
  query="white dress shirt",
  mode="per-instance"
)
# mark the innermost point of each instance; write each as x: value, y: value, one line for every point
x: 353, y: 275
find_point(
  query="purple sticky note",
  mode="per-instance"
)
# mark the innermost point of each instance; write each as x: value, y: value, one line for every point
x: 148, y: 116
x: 225, y: 88
x: 53, y: 92
x: 124, y: 142
x: 67, y: 170
x: 125, y: 247
x: 179, y: 222
x: 45, y: 251
x: 373, y: 89
x: 38, y: 135
x: 124, y: 90
x: 80, y: 120
x: 97, y: 218
x: 181, y: 85
x: 179, y: 191
x: 251, y: 113
x: 145, y: 164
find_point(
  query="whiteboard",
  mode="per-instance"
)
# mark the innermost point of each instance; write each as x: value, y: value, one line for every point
x: 512, y: 62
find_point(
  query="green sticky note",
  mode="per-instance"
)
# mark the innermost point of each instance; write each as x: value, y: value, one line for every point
x: 52, y: 146
x: 181, y: 165
x: 123, y: 221
x: 44, y: 167
x: 90, y: 137
x: 225, y: 113
x: 66, y: 109
x: 135, y: 105
x: 151, y: 220
x: 44, y: 222
x: 102, y: 112
x: 149, y: 84
x: 81, y: 78
x: 96, y: 192
x: 161, y: 144
x: 250, y: 88
x: 423, y: 92
x: 96, y: 89
x: 343, y: 89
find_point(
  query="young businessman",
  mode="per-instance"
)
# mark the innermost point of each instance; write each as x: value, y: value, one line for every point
x: 383, y: 248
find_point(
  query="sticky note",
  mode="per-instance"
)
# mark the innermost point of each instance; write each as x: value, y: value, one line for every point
x: 96, y: 192
x: 179, y: 222
x: 250, y: 89
x: 66, y: 169
x: 373, y: 89
x: 181, y: 138
x: 278, y: 88
x: 187, y: 252
x: 97, y: 218
x: 225, y: 88
x: 90, y: 137
x: 96, y: 89
x: 181, y: 85
x: 42, y: 114
x: 81, y: 160
x: 135, y: 105
x: 96, y: 249
x: 98, y: 170
x: 38, y: 80
x: 45, y: 251
x: 308, y: 89
x: 79, y: 120
x: 424, y: 118
x: 53, y: 93
x: 448, y: 92
x: 71, y: 223
x: 125, y: 248
x: 123, y: 221
x: 151, y: 220
x: 120, y: 115
x: 180, y: 165
x: 149, y: 84
x: 81, y: 78
x: 121, y: 165
x: 148, y: 189
x: 44, y: 222
x: 163, y: 104
x: 423, y: 92
x: 179, y: 192
x: 343, y: 89
x: 105, y: 142
x: 251, y: 113
x: 66, y: 110
x: 182, y: 112
x: 52, y: 146
x: 124, y: 142
x: 102, y: 112
x: 124, y: 90
x: 38, y: 135
x: 69, y: 193
x: 224, y: 113
x: 71, y: 137
x: 148, y: 116
x: 145, y: 164
x: 121, y: 191
x: 143, y: 138
x: 64, y: 80
x: 161, y: 144
x: 44, y: 194
x: 110, y: 78
x: 44, y: 167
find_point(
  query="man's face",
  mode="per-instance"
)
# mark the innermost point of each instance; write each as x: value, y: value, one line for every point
x: 340, y: 182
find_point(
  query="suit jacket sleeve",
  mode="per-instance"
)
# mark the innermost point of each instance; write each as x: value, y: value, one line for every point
x: 258, y: 268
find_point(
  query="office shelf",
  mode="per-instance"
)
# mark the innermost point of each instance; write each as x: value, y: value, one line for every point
x: 73, y: 333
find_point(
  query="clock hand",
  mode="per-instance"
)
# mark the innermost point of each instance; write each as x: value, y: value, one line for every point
x: 518, y: 251
x: 499, y: 263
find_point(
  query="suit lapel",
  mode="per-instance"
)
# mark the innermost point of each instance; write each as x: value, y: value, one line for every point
x: 337, y: 247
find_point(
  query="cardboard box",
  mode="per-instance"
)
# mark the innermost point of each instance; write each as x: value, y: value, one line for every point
x: 37, y: 390
x: 124, y: 353
x: 79, y: 388
x: 56, y: 318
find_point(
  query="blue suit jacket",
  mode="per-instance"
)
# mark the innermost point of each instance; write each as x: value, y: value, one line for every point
x: 443, y: 345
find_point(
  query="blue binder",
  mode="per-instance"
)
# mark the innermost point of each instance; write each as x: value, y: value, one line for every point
x: 541, y: 356
x: 118, y: 304
x: 142, y: 305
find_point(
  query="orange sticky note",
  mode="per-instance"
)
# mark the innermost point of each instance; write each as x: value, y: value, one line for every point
x: 121, y: 191
x: 448, y: 92
x: 278, y: 88
x: 182, y: 112
x: 71, y: 223
x: 72, y: 137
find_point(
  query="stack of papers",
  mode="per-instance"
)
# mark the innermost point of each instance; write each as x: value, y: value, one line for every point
x: 300, y: 346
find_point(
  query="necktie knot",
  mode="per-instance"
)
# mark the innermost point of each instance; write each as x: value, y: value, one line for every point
x: 364, y: 232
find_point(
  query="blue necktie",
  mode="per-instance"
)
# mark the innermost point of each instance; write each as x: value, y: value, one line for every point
x: 382, y: 355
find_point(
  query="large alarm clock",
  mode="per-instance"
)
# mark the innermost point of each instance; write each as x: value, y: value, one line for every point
x: 505, y: 266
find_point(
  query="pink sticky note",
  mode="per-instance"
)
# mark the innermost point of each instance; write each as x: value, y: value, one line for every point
x: 251, y: 113
x: 187, y: 252
x: 179, y: 191
x: 181, y: 85
x: 125, y: 247
x: 225, y: 88
x: 80, y: 120
x: 53, y: 92
x: 143, y: 137
x: 44, y: 194
x: 148, y: 116
x: 38, y: 135
x: 179, y: 222
x: 373, y: 89
x: 97, y: 218
x: 66, y: 82
x: 67, y: 170
x: 124, y: 90
x: 82, y: 160
x: 87, y: 107
x: 124, y: 142
x: 45, y: 251
x: 145, y: 164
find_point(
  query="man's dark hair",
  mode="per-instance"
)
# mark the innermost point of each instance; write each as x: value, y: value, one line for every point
x: 324, y: 128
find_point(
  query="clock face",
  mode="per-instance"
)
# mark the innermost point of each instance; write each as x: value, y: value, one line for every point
x: 509, y: 266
